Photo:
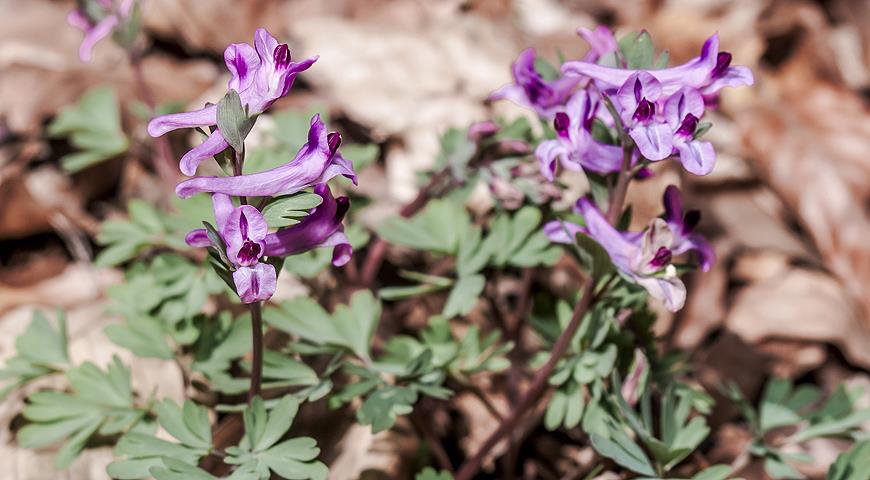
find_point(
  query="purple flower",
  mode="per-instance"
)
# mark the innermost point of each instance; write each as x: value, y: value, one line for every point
x: 321, y: 228
x: 531, y: 90
x: 316, y: 162
x: 98, y: 24
x: 708, y: 73
x: 682, y: 111
x: 637, y: 100
x: 574, y: 145
x: 247, y: 240
x: 601, y: 42
x: 244, y: 230
x: 261, y: 74
x: 643, y: 257
x: 682, y: 226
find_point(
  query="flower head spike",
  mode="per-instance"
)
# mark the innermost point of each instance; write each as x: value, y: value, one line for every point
x: 98, y: 19
x: 316, y: 162
x: 321, y: 228
x: 574, y: 145
x: 682, y: 225
x: 243, y: 229
x: 531, y: 90
x: 644, y: 257
x: 261, y: 75
x: 708, y: 73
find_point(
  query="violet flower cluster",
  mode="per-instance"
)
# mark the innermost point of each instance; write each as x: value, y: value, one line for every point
x: 657, y: 114
x: 260, y: 75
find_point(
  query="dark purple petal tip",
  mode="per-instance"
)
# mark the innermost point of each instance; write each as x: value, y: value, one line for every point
x: 689, y: 125
x: 723, y: 61
x: 561, y: 124
x: 281, y: 56
x: 662, y: 257
x: 645, y: 111
x: 334, y: 141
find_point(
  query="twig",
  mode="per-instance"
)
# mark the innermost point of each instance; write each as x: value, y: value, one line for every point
x: 257, y: 355
x: 378, y: 248
x: 433, y: 441
x: 539, y: 384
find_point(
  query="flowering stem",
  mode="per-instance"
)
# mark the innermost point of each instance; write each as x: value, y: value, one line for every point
x: 542, y: 376
x: 536, y: 389
x: 257, y: 355
x: 163, y: 158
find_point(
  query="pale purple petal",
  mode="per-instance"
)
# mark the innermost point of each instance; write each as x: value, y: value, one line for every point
x: 671, y: 291
x: 93, y: 35
x: 256, y: 283
x: 311, y: 164
x: 638, y: 86
x: 655, y: 141
x: 547, y: 153
x: 211, y: 146
x: 697, y: 157
x: 198, y: 238
x: 242, y: 62
x: 245, y: 226
x: 338, y: 165
x: 612, y: 77
x: 697, y: 243
x: 265, y: 43
x: 736, y: 76
x: 342, y: 250
x: 562, y: 232
x: 601, y: 158
x: 620, y: 250
x: 126, y: 7
x: 173, y: 121
x: 223, y: 207
x: 601, y: 42
x: 683, y: 102
x: 79, y: 20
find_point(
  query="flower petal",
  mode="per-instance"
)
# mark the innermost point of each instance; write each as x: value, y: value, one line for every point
x: 601, y: 42
x: 638, y: 86
x: 684, y: 101
x: 242, y: 62
x: 198, y: 238
x: 547, y: 153
x: 244, y: 224
x: 673, y: 201
x: 173, y: 121
x: 256, y: 283
x: 736, y: 76
x: 79, y: 20
x: 697, y: 157
x: 265, y: 44
x: 562, y: 232
x: 671, y: 291
x: 223, y: 207
x: 655, y: 141
x: 211, y: 146
x: 620, y: 250
x: 93, y: 35
x: 310, y: 166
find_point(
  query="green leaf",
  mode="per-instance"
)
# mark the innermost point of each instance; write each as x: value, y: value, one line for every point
x: 440, y: 227
x: 351, y: 326
x: 593, y: 256
x: 853, y: 464
x: 778, y: 469
x: 382, y: 407
x: 93, y: 126
x: 233, y: 120
x: 141, y: 335
x: 637, y: 49
x: 430, y: 473
x: 716, y: 472
x: 42, y: 343
x: 280, y: 420
x: 286, y: 210
x: 624, y: 452
x: 464, y: 295
x: 832, y: 427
